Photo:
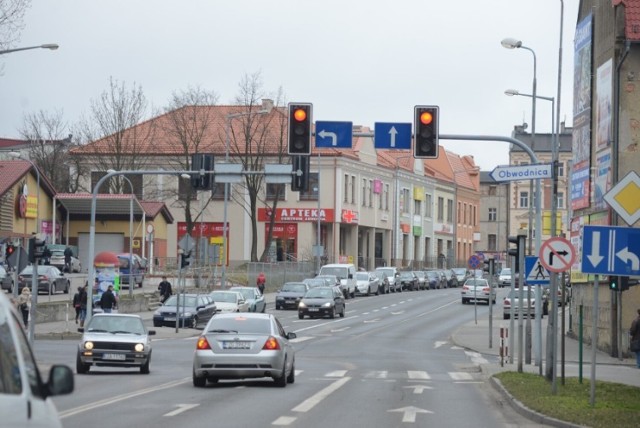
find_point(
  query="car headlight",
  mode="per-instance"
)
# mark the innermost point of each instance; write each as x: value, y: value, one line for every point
x: 302, y: 305
x: 327, y: 305
x: 88, y: 345
x: 187, y: 314
x: 139, y: 347
x: 279, y: 298
x: 157, y: 312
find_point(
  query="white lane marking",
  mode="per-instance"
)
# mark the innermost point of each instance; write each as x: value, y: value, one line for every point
x: 284, y: 420
x: 460, y: 376
x: 418, y: 389
x: 416, y: 374
x: 377, y: 374
x: 300, y: 339
x: 108, y: 401
x: 409, y: 413
x: 181, y: 408
x: 397, y: 313
x: 437, y: 309
x: 337, y: 330
x: 365, y: 313
x: 312, y: 401
x: 326, y: 323
x: 370, y: 321
x: 336, y: 373
x: 439, y: 344
x: 476, y: 357
x: 298, y: 372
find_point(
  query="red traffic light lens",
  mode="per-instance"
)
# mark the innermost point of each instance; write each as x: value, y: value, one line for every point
x: 10, y: 249
x: 299, y: 114
x: 426, y: 118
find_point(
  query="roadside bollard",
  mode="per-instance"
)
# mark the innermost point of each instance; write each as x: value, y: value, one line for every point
x: 504, y: 349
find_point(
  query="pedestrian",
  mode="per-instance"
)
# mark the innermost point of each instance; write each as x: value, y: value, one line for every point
x: 76, y: 303
x: 261, y: 281
x: 83, y: 304
x: 108, y: 300
x: 165, y: 289
x: 24, y: 304
x: 634, y: 344
x: 67, y: 259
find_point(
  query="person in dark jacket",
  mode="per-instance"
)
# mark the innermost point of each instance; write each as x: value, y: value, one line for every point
x: 77, y: 303
x: 165, y: 289
x: 83, y: 305
x: 634, y: 331
x: 108, y: 300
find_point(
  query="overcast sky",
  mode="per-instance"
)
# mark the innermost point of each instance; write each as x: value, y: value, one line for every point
x: 360, y: 61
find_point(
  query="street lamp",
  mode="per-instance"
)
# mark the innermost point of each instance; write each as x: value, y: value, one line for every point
x: 229, y: 118
x: 511, y: 43
x: 554, y: 131
x: 130, y: 232
x: 50, y: 46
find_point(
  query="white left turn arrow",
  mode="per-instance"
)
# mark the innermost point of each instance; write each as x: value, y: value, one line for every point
x: 392, y: 133
x: 625, y: 255
x: 409, y: 413
x: 332, y: 135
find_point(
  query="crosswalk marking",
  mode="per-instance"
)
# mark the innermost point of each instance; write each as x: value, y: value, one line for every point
x: 476, y: 357
x: 284, y: 421
x: 418, y: 375
x: 336, y: 373
x: 460, y: 376
x: 415, y: 375
x: 376, y: 374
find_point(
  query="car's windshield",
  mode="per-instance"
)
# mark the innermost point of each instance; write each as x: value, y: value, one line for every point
x: 337, y: 271
x: 432, y: 275
x: 189, y: 301
x: 247, y: 293
x: 362, y: 276
x: 459, y: 271
x: 387, y: 272
x: 239, y: 325
x: 477, y: 282
x: 296, y: 288
x: 505, y: 272
x: 319, y: 293
x: 116, y: 325
x: 221, y: 296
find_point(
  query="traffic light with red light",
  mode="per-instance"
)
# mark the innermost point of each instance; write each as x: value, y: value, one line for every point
x: 9, y: 251
x: 300, y: 121
x: 425, y: 124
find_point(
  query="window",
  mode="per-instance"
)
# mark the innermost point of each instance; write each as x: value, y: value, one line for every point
x: 217, y: 191
x: 460, y: 212
x: 417, y: 207
x: 440, y: 208
x: 427, y: 205
x: 561, y: 200
x: 346, y: 188
x: 370, y: 193
x: 386, y: 197
x: 475, y: 216
x: 364, y: 192
x: 492, y: 242
x: 493, y: 190
x: 524, y: 199
x: 450, y: 210
x: 405, y: 201
x: 312, y: 194
x: 353, y: 189
x: 275, y: 191
x: 493, y: 214
x: 560, y: 169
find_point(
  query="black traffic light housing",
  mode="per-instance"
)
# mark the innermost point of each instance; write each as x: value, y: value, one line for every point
x: 201, y: 162
x: 520, y: 242
x: 38, y: 250
x: 184, y: 259
x: 9, y: 250
x: 489, y: 266
x: 300, y: 182
x: 425, y: 124
x: 300, y: 121
x: 614, y: 282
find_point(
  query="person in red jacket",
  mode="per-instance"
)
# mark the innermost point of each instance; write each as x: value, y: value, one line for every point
x: 260, y: 282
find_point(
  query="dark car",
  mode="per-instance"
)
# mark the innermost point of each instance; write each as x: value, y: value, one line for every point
x: 290, y: 295
x: 452, y: 279
x: 194, y: 310
x: 461, y: 274
x: 50, y: 280
x: 432, y: 279
x: 383, y: 284
x: 322, y: 301
x: 408, y: 280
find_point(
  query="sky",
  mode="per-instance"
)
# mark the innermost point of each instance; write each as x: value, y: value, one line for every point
x: 359, y: 61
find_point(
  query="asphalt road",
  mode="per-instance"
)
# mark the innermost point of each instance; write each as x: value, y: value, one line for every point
x: 388, y: 363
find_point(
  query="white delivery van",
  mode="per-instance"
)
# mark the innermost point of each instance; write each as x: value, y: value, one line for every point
x: 346, y: 273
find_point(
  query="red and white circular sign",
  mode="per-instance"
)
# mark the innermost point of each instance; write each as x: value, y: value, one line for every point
x: 557, y: 254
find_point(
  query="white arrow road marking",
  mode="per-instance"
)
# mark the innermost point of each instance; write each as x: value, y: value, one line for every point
x: 595, y: 258
x: 625, y: 255
x: 439, y: 344
x: 418, y: 389
x: 284, y: 421
x: 181, y: 408
x: 409, y: 413
x: 311, y: 402
x: 392, y: 133
x: 332, y: 135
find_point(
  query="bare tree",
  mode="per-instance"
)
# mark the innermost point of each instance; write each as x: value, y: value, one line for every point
x: 120, y: 138
x: 188, y: 125
x: 11, y: 21
x: 259, y: 135
x: 49, y: 143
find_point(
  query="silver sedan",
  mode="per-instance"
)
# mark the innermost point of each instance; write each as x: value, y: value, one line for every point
x: 243, y: 346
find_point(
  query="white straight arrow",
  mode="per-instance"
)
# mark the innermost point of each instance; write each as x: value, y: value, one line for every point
x: 332, y: 135
x: 409, y: 413
x: 418, y: 389
x: 393, y: 132
x: 625, y: 255
x: 595, y: 258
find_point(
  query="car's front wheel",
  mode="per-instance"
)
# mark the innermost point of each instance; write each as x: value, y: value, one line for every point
x: 144, y: 369
x: 81, y: 368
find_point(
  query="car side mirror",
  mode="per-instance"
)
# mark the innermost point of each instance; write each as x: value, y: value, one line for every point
x: 291, y: 335
x: 60, y: 380
x: 151, y: 332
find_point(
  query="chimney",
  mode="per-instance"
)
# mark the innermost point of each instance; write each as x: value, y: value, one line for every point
x: 267, y: 104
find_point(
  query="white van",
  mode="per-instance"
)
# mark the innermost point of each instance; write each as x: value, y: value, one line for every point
x: 25, y: 398
x: 346, y: 273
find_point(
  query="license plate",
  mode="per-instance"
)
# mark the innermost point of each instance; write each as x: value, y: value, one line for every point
x: 120, y: 357
x: 236, y: 345
x: 169, y: 318
x: 313, y: 309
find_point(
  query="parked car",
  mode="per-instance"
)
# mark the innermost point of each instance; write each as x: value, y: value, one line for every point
x: 422, y: 279
x: 408, y: 280
x: 114, y: 340
x: 345, y: 273
x: 244, y: 347
x: 131, y: 270
x: 461, y: 274
x: 195, y: 309
x: 513, y: 298
x: 383, y: 281
x: 432, y: 279
x: 318, y: 282
x: 477, y: 289
x: 6, y: 280
x: 25, y: 397
x: 57, y: 260
x: 443, y: 278
x: 253, y: 297
x: 330, y: 279
x: 50, y: 279
x: 366, y: 283
x: 504, y: 278
x: 290, y: 295
x: 322, y: 301
x: 392, y: 274
x: 452, y: 279
x: 229, y: 301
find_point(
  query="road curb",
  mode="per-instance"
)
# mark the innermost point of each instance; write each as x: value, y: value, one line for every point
x: 58, y: 336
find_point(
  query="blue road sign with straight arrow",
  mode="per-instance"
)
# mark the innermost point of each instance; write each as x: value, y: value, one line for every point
x: 611, y: 250
x: 334, y: 134
x: 392, y: 135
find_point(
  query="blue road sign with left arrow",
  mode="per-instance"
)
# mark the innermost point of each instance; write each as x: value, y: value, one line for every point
x: 611, y: 250
x: 334, y: 134
x: 392, y: 135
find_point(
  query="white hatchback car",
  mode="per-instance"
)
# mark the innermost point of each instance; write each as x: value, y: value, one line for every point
x: 25, y: 399
x: 229, y: 301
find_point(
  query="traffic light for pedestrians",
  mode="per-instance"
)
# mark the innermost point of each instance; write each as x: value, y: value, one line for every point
x: 300, y: 120
x: 300, y: 182
x: 185, y: 259
x: 614, y: 282
x: 201, y: 162
x: 520, y: 242
x: 425, y: 124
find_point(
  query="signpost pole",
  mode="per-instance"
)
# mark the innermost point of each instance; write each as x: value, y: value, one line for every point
x: 521, y: 239
x: 594, y: 340
x: 512, y: 311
